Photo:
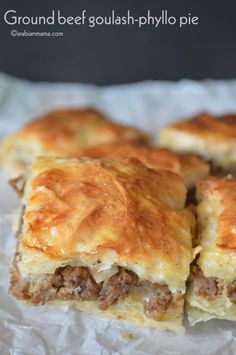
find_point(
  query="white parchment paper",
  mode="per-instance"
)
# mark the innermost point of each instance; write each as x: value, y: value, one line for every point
x: 46, y: 330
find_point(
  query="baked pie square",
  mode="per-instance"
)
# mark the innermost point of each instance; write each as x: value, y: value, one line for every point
x: 109, y: 236
x: 212, y: 284
x: 211, y: 137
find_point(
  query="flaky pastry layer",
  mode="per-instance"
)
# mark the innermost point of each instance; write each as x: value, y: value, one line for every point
x: 216, y: 215
x: 201, y: 308
x: 196, y: 314
x: 61, y: 133
x: 130, y: 309
x: 213, y: 138
x: 106, y: 212
x: 212, y: 289
x: 192, y: 168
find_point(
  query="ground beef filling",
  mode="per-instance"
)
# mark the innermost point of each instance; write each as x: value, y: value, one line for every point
x: 232, y: 291
x: 157, y: 301
x: 208, y: 287
x: 77, y: 283
x: 117, y: 287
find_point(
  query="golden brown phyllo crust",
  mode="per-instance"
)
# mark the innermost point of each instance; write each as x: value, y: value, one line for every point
x: 211, y: 137
x: 191, y: 167
x: 212, y: 285
x: 62, y: 133
x: 82, y: 200
x: 224, y: 190
x: 109, y: 231
x: 208, y: 125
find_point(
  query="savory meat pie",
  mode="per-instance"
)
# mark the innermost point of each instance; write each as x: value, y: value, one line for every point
x: 61, y: 133
x: 212, y: 285
x: 192, y: 168
x: 110, y: 236
x: 213, y: 138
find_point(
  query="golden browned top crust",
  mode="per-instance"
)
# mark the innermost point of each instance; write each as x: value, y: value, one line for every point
x: 84, y: 207
x: 192, y: 163
x: 210, y: 126
x: 189, y: 166
x: 223, y: 190
x: 62, y: 132
x: 193, y: 168
x: 152, y: 157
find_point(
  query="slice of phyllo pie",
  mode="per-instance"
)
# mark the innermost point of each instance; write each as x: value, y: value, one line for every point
x: 110, y: 236
x: 212, y: 285
x: 211, y: 137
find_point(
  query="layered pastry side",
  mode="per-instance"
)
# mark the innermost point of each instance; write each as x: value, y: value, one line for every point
x: 212, y: 284
x: 211, y: 137
x: 61, y: 133
x: 109, y: 236
x: 191, y: 167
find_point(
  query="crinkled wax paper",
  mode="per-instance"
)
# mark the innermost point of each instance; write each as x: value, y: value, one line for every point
x: 44, y: 330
